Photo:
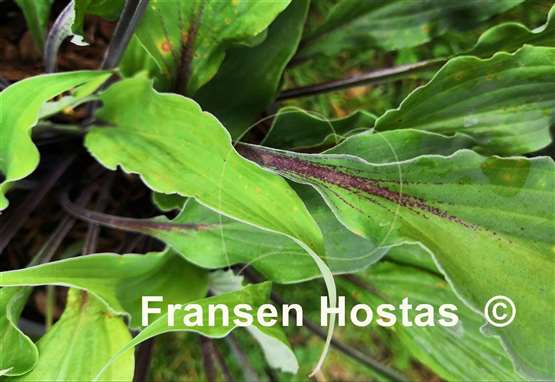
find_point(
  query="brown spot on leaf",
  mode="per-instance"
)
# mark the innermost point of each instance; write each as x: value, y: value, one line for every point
x: 166, y: 46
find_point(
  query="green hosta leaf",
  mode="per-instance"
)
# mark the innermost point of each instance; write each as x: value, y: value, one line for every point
x: 295, y: 128
x: 396, y: 24
x: 18, y: 354
x: 256, y: 71
x: 109, y: 9
x: 81, y: 342
x: 20, y: 105
x: 459, y: 353
x: 36, y: 14
x: 509, y: 37
x: 253, y: 295
x: 223, y: 242
x: 226, y: 242
x: 188, y: 38
x: 220, y: 242
x: 487, y: 221
x: 400, y: 145
x: 505, y: 102
x: 214, y: 241
x: 119, y: 281
x: 191, y: 154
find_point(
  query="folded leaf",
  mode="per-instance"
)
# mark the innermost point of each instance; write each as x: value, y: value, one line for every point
x: 23, y: 354
x: 120, y: 281
x: 257, y: 71
x: 396, y: 24
x: 487, y: 221
x: 294, y: 128
x: 188, y: 38
x: 81, y: 342
x: 20, y: 105
x: 505, y: 102
x: 459, y: 353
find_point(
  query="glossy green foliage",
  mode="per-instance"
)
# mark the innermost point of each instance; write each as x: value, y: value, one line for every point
x: 219, y: 242
x: 400, y: 145
x: 209, y: 163
x: 399, y: 199
x: 182, y: 139
x: 224, y: 242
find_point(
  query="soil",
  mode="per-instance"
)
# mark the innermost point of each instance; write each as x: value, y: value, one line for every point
x: 20, y: 58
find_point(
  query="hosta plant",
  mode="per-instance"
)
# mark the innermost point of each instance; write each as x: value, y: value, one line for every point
x: 215, y: 153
